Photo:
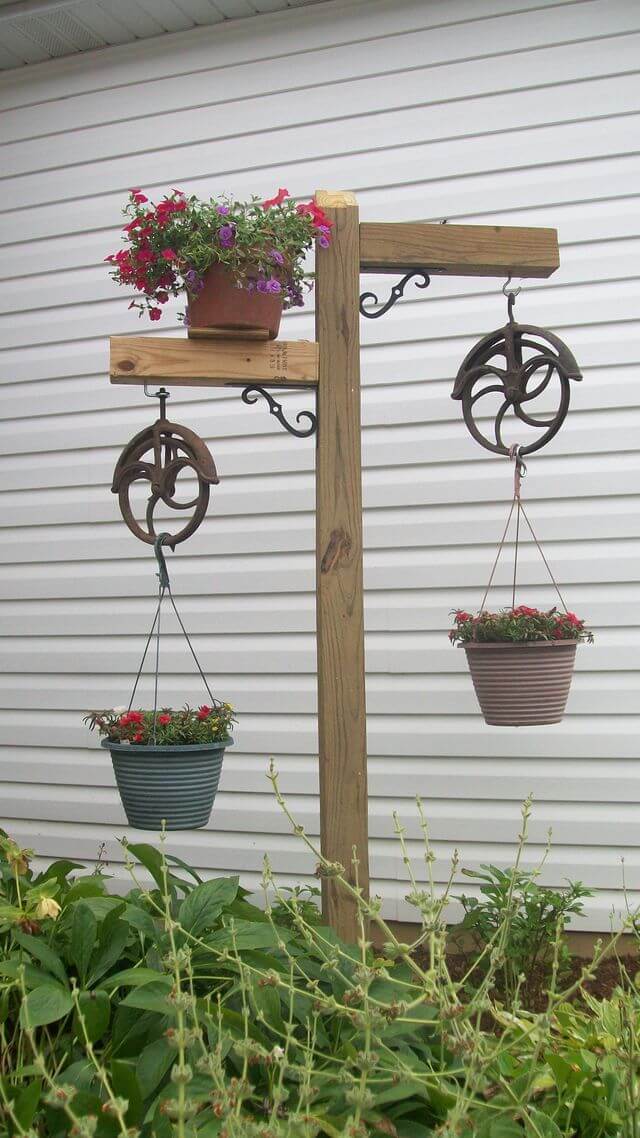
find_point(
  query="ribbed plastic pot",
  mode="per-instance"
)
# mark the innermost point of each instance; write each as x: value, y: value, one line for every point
x: 170, y: 786
x: 522, y: 685
x: 223, y: 306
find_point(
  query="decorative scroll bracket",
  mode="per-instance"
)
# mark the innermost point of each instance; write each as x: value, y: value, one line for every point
x: 369, y: 298
x: 254, y: 391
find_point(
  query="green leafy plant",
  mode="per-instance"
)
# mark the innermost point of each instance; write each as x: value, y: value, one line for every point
x: 182, y: 1010
x: 518, y: 626
x: 531, y: 916
x: 170, y: 246
x: 167, y: 728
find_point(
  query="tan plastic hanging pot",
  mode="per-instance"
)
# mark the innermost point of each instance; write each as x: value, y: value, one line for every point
x: 522, y: 685
x: 521, y: 672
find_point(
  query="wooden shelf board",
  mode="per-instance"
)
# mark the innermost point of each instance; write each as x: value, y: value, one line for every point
x: 213, y: 363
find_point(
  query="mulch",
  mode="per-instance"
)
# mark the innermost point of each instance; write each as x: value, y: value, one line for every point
x: 609, y: 975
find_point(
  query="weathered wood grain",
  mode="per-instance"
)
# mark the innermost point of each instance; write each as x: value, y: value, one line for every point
x: 458, y: 250
x: 213, y: 363
x: 340, y: 622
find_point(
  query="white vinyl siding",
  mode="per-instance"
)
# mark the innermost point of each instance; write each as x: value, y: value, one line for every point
x: 479, y: 111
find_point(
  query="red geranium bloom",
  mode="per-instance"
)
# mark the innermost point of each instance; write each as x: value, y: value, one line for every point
x: 281, y: 196
x: 204, y: 712
x: 462, y: 616
x: 136, y: 717
x: 164, y: 719
x: 138, y: 738
x: 524, y: 610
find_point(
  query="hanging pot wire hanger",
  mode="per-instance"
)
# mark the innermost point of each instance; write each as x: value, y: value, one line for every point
x: 164, y: 590
x: 517, y: 505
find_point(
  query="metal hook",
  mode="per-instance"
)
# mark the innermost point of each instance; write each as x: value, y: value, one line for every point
x: 163, y: 572
x: 162, y: 395
x: 506, y: 291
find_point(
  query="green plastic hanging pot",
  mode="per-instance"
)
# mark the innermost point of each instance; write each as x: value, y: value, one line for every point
x: 174, y: 787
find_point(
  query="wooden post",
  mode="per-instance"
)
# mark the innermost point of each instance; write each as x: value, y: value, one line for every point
x: 340, y: 619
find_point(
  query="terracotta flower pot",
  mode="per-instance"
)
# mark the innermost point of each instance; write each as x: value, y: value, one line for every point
x: 227, y: 308
x: 176, y: 785
x: 520, y: 685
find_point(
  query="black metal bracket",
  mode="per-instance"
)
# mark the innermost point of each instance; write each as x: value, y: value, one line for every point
x: 251, y: 394
x: 369, y: 298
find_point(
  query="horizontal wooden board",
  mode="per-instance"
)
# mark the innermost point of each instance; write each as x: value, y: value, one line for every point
x: 213, y: 363
x: 458, y: 250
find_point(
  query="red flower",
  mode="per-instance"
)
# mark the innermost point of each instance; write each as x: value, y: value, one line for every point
x: 523, y: 610
x: 278, y: 200
x: 136, y: 717
x: 204, y: 712
x: 145, y: 255
x: 169, y: 255
x: 164, y: 719
x: 162, y: 297
x: 462, y: 616
x: 155, y: 313
x: 138, y: 738
x: 123, y: 721
x: 571, y: 618
x: 314, y: 211
x: 138, y: 196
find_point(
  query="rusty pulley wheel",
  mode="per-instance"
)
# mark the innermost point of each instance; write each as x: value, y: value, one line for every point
x: 520, y: 364
x: 158, y: 455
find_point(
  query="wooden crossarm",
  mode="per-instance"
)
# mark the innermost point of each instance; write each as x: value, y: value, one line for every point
x: 213, y: 363
x: 458, y: 250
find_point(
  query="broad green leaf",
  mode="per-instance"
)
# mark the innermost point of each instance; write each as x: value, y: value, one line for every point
x: 151, y: 998
x: 203, y: 905
x: 402, y: 1090
x: 95, y: 1009
x: 248, y: 935
x: 266, y: 1004
x: 406, y: 1128
x: 33, y: 977
x: 140, y: 920
x: 26, y: 1104
x: 45, y: 1005
x: 151, y: 859
x: 125, y: 1084
x: 92, y: 886
x: 43, y: 953
x: 154, y: 1062
x: 504, y: 1128
x: 538, y: 1124
x: 84, y: 931
x: 173, y: 860
x: 58, y: 869
x: 113, y: 945
x: 134, y: 978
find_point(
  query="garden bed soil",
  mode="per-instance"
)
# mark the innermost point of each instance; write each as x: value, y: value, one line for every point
x: 609, y: 975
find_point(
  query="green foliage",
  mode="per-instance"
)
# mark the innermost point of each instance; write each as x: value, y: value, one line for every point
x: 170, y: 246
x: 525, y: 918
x: 188, y: 726
x: 182, y: 1010
x: 519, y: 625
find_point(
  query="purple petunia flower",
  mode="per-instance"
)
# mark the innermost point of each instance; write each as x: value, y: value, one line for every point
x: 262, y: 285
x: 227, y: 235
x: 194, y: 281
x: 276, y: 256
x: 223, y: 209
x: 323, y: 241
x: 273, y: 285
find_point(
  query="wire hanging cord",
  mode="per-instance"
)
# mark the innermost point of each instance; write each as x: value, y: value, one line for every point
x: 517, y: 505
x: 164, y: 589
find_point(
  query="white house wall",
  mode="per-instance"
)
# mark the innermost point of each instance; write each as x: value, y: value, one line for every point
x: 487, y: 111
